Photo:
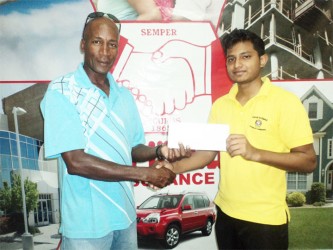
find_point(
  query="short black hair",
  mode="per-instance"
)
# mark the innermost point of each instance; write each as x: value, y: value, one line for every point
x: 242, y: 35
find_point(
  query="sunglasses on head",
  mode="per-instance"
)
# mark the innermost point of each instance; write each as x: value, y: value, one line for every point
x: 97, y: 14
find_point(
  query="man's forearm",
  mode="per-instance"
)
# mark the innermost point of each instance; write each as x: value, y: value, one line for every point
x: 89, y: 166
x: 302, y: 159
x: 198, y: 159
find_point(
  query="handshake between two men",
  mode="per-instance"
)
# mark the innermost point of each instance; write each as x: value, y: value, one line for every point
x: 183, y: 160
x: 165, y: 174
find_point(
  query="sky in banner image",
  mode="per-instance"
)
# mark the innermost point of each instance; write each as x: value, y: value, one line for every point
x: 40, y: 39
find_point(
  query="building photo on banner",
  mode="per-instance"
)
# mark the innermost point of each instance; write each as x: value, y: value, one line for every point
x: 171, y: 62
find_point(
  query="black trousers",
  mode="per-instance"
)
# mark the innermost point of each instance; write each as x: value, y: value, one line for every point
x: 232, y: 233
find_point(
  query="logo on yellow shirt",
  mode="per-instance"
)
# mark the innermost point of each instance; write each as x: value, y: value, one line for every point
x: 258, y: 122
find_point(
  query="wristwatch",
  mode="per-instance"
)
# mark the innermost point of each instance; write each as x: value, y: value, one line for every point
x: 158, y: 154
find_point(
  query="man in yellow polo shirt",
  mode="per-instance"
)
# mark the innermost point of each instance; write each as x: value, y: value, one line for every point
x: 270, y: 134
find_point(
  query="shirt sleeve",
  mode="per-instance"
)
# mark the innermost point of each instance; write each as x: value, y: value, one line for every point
x: 133, y: 121
x: 295, y: 128
x: 62, y: 126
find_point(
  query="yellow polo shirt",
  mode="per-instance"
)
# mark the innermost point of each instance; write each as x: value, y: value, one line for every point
x: 273, y: 120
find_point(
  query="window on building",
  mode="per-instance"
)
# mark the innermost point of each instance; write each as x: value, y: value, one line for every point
x: 4, y: 134
x: 301, y: 184
x: 313, y: 110
x: 5, y: 162
x: 330, y: 148
x: 4, y: 147
x: 296, y: 181
x: 314, y: 106
x: 9, y: 154
x: 13, y: 147
x: 291, y: 181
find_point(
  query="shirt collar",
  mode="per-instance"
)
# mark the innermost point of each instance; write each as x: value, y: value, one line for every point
x: 264, y: 90
x: 83, y: 80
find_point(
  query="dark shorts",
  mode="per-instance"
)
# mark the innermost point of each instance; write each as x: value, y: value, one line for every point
x: 232, y: 233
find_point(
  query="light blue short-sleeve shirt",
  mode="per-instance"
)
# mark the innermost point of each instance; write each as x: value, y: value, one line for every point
x: 78, y: 115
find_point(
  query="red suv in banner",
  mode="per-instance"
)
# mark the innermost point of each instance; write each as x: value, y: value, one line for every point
x: 167, y: 216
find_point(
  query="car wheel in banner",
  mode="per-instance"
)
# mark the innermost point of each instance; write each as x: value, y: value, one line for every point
x: 207, y: 230
x: 172, y: 236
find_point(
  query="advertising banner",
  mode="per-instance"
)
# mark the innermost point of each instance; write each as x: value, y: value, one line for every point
x: 171, y: 59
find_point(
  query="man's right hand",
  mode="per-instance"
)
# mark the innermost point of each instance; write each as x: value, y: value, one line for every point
x: 160, y: 177
x: 176, y: 154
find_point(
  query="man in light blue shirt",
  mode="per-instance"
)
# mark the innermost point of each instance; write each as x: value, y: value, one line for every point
x: 93, y: 126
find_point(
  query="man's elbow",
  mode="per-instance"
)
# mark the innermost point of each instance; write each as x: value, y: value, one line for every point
x: 73, y: 161
x: 309, y: 158
x: 311, y: 164
x: 73, y: 169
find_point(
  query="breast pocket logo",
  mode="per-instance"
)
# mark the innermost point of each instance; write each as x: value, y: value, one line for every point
x: 259, y: 123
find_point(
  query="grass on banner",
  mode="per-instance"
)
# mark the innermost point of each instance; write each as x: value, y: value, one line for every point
x: 311, y: 228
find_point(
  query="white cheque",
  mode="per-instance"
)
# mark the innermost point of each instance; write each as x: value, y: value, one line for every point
x: 198, y: 136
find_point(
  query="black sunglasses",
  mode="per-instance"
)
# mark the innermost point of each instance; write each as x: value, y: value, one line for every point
x: 97, y: 14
